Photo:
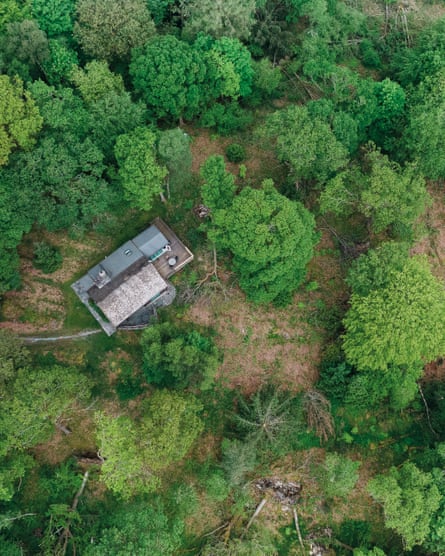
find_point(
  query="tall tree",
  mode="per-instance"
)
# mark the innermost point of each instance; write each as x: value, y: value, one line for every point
x: 23, y: 49
x: 55, y: 17
x: 174, y: 151
x: 308, y: 145
x: 400, y: 324
x: 96, y: 81
x: 385, y: 193
x: 139, y: 529
x: 409, y: 498
x: 219, y: 188
x: 271, y: 239
x: 64, y: 183
x: 424, y: 134
x: 179, y: 358
x: 169, y: 74
x: 109, y: 29
x: 140, y: 174
x: 223, y: 18
x: 20, y: 119
x: 136, y: 451
x: 32, y: 403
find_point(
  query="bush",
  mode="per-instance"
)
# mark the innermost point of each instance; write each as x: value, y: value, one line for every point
x: 47, y: 257
x: 129, y: 384
x: 369, y: 55
x: 338, y: 475
x: 235, y: 153
x: 216, y: 486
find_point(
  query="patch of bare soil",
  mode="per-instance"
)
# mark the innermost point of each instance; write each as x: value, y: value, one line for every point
x: 260, y: 163
x: 265, y: 343
x: 205, y: 144
x: 259, y: 344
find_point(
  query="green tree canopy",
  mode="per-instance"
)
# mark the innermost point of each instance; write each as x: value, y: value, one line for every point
x: 63, y: 180
x: 140, y: 174
x: 13, y: 356
x: 400, y: 324
x: 20, y: 119
x: 271, y: 239
x: 113, y: 115
x: 141, y: 528
x: 219, y: 188
x: 376, y: 268
x: 425, y: 132
x: 96, y: 81
x: 386, y: 193
x: 13, y: 10
x: 135, y: 451
x: 55, y: 17
x: 307, y: 144
x: 178, y: 357
x: 228, y: 18
x: 174, y: 151
x: 57, y: 68
x: 229, y: 67
x: 169, y: 74
x: 109, y: 29
x: 409, y: 498
x: 23, y: 49
x: 33, y: 400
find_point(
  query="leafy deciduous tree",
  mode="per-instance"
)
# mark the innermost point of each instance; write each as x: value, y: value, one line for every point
x: 387, y: 194
x: 20, y: 120
x: 96, y: 81
x: 23, y: 49
x: 219, y: 188
x: 135, y: 451
x: 409, y: 498
x: 169, y: 74
x: 174, y: 151
x: 399, y: 324
x: 139, y: 529
x: 224, y: 18
x: 307, y: 144
x: 141, y: 176
x: 109, y: 29
x: 338, y: 475
x: 178, y: 358
x: 55, y: 17
x: 271, y: 238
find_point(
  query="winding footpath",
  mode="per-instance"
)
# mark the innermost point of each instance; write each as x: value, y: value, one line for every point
x: 35, y: 339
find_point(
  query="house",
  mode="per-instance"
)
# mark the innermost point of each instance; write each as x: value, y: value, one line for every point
x: 125, y: 288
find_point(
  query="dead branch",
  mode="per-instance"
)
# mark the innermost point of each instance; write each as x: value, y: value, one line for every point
x: 62, y: 428
x: 65, y: 532
x: 297, y: 527
x: 217, y: 529
x: 80, y: 491
x: 427, y: 410
x: 255, y: 515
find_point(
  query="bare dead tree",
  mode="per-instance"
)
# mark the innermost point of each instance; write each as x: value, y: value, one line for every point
x: 318, y: 414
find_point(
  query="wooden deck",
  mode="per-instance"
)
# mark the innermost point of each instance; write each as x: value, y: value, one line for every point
x: 179, y: 251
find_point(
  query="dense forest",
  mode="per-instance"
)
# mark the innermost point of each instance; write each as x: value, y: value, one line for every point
x: 292, y: 398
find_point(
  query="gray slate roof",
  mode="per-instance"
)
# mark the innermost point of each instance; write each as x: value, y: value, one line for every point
x: 150, y: 240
